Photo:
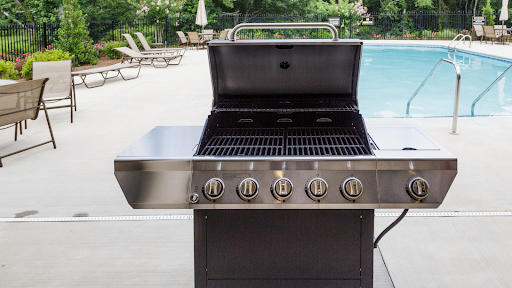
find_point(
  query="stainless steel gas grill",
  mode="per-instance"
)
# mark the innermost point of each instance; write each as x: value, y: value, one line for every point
x: 284, y: 177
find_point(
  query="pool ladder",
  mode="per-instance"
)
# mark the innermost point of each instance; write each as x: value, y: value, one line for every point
x: 457, y: 92
x: 488, y: 89
x: 463, y: 38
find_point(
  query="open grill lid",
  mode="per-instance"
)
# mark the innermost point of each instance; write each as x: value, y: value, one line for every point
x: 280, y: 75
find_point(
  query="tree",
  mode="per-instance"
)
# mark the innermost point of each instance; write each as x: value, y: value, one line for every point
x: 73, y: 34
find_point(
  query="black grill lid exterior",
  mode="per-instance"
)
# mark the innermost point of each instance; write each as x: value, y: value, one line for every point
x: 302, y: 71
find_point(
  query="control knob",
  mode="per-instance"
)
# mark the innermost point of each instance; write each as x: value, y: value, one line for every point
x: 247, y: 189
x: 213, y: 189
x: 282, y: 188
x: 352, y: 188
x: 418, y: 188
x: 317, y: 189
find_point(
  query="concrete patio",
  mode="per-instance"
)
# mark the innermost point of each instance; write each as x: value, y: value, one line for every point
x: 77, y: 179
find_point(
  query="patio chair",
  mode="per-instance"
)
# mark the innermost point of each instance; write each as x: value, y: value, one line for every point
x: 490, y: 33
x: 138, y: 57
x: 61, y: 85
x: 22, y: 101
x: 223, y: 35
x: 194, y: 39
x: 208, y: 37
x: 501, y: 33
x: 183, y: 39
x: 148, y: 48
x: 479, y: 31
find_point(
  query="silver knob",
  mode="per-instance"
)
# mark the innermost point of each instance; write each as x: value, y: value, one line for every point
x: 352, y: 188
x: 282, y: 188
x: 317, y: 189
x: 418, y: 188
x: 247, y: 189
x: 193, y: 198
x: 213, y: 189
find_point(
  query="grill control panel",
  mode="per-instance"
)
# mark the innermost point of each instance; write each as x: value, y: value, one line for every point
x: 246, y: 188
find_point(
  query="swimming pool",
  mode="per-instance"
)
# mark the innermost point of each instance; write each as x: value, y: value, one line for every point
x: 391, y: 74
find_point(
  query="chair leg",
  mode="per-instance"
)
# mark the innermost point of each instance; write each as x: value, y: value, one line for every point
x: 16, y: 132
x: 49, y: 125
x: 21, y: 127
x: 74, y: 93
x: 25, y: 124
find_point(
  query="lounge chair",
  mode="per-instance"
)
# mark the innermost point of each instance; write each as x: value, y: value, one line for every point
x: 60, y: 87
x: 134, y: 47
x: 490, y: 33
x: 194, y: 39
x: 104, y: 72
x: 148, y: 48
x: 138, y: 57
x: 183, y: 39
x: 479, y: 31
x: 22, y: 101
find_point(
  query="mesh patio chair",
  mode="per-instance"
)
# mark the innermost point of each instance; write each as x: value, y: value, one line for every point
x: 479, y: 32
x: 223, y: 35
x: 130, y: 55
x: 148, y: 48
x: 183, y: 39
x: 22, y: 101
x: 194, y: 39
x: 490, y: 33
x: 60, y: 87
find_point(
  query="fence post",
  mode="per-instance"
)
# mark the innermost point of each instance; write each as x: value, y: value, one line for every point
x: 112, y: 29
x: 45, y: 40
x: 166, y: 30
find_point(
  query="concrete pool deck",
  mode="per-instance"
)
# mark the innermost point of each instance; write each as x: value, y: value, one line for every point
x: 77, y: 179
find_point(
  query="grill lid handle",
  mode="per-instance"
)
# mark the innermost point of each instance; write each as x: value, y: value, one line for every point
x: 334, y: 31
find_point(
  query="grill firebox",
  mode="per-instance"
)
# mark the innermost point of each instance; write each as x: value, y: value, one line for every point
x: 314, y: 141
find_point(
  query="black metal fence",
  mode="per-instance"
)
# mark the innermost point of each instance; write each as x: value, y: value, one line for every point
x: 15, y: 39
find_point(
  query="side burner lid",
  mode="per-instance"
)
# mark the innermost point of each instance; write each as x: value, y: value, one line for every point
x: 260, y: 74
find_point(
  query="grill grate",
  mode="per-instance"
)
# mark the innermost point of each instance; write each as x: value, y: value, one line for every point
x: 284, y: 106
x: 285, y: 142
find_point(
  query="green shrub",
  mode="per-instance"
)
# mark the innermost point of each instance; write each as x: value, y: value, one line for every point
x: 489, y: 14
x: 8, y: 70
x: 47, y: 55
x: 109, y: 49
x: 74, y: 34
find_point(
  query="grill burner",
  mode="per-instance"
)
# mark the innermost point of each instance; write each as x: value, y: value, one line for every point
x: 314, y: 141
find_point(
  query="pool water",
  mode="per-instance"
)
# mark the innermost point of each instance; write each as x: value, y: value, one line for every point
x: 390, y: 75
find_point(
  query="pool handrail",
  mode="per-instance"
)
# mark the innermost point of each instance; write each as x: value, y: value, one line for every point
x: 457, y: 92
x: 488, y: 89
x: 463, y: 38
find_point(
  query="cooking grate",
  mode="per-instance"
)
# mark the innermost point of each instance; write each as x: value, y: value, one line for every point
x: 286, y: 106
x: 285, y: 142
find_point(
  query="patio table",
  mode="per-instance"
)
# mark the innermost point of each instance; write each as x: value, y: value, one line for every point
x: 503, y: 31
x: 7, y: 81
x: 207, y: 34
